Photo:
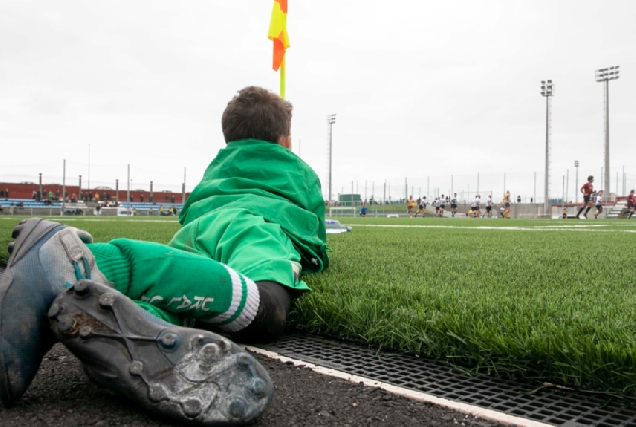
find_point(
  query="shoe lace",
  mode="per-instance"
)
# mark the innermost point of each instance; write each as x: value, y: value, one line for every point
x: 78, y: 272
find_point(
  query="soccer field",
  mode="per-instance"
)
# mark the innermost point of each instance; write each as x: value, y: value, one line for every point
x: 545, y: 300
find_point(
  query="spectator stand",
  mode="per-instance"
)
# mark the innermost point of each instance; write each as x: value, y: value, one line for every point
x: 31, y: 207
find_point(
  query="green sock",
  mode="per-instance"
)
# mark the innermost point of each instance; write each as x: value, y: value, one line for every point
x: 178, y: 282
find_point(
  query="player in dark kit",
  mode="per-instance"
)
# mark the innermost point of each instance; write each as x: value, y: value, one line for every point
x: 421, y: 205
x: 631, y: 204
x: 587, y: 191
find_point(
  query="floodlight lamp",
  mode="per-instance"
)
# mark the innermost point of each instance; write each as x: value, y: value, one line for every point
x: 542, y: 81
x: 550, y: 81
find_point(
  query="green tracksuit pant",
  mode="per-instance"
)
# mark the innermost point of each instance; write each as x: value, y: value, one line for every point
x: 207, y: 271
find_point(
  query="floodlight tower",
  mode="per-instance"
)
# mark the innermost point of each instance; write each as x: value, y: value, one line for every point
x: 605, y: 75
x: 331, y: 119
x: 547, y: 91
x: 576, y: 182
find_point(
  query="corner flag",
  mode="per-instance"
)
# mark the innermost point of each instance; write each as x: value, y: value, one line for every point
x: 278, y: 34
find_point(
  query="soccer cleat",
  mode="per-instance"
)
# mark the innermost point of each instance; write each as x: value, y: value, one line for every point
x: 43, y: 257
x: 185, y: 374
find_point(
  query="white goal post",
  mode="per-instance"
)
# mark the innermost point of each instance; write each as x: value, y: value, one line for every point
x: 343, y: 211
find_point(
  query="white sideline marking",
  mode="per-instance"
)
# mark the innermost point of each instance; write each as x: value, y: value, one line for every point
x: 465, y: 408
x: 538, y: 228
x: 64, y: 219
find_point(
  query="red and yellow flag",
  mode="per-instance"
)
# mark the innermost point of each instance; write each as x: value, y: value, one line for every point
x: 278, y: 32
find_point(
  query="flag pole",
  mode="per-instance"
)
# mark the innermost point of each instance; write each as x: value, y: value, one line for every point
x: 282, y: 78
x: 283, y: 64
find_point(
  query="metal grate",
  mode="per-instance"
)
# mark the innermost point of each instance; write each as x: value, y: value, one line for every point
x: 548, y: 405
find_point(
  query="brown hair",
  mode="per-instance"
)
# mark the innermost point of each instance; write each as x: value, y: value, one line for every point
x: 256, y: 113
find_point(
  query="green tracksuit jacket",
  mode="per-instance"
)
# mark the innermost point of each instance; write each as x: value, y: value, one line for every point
x: 258, y: 209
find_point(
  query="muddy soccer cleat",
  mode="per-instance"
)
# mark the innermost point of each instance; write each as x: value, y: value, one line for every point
x: 187, y: 374
x: 43, y: 257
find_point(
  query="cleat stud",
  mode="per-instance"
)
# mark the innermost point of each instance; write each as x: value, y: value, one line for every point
x: 257, y: 386
x: 82, y: 288
x: 106, y: 300
x: 65, y: 323
x: 16, y: 231
x: 55, y: 310
x: 209, y: 352
x: 196, y: 341
x: 205, y: 367
x: 237, y: 408
x: 85, y: 332
x: 225, y: 344
x: 136, y: 368
x: 192, y: 407
x: 157, y: 393
x: 23, y: 221
x: 245, y: 359
x: 169, y: 341
x: 10, y: 247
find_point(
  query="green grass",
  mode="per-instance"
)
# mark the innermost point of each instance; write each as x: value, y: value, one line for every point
x: 543, y: 300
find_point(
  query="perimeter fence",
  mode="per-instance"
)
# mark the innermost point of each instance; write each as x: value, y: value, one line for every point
x: 526, y: 188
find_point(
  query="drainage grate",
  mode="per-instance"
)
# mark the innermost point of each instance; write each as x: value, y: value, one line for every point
x: 548, y: 405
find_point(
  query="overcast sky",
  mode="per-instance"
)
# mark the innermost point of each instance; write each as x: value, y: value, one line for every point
x: 421, y: 89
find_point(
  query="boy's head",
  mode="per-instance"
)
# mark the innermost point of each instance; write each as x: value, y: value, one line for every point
x: 260, y: 114
x: 590, y: 178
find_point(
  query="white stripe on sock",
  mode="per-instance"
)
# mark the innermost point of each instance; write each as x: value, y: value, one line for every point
x: 249, y: 310
x: 237, y: 296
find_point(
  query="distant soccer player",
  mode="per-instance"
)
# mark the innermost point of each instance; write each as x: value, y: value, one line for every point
x: 587, y: 189
x: 631, y: 204
x: 502, y: 210
x: 453, y: 202
x: 436, y: 204
x: 421, y: 205
x: 598, y: 204
x: 489, y: 206
x: 442, y: 205
x: 507, y: 204
x: 410, y: 203
x: 475, y: 206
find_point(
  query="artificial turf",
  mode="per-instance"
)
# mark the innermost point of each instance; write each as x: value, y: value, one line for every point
x: 543, y: 300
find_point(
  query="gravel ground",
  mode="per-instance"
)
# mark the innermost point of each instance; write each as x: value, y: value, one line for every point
x: 62, y: 396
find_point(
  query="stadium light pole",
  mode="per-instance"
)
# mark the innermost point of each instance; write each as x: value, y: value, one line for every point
x: 576, y: 182
x: 605, y: 75
x: 41, y: 183
x: 547, y: 91
x: 331, y: 119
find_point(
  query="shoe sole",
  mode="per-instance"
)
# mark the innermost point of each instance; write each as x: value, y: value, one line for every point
x: 182, y: 373
x: 26, y: 234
